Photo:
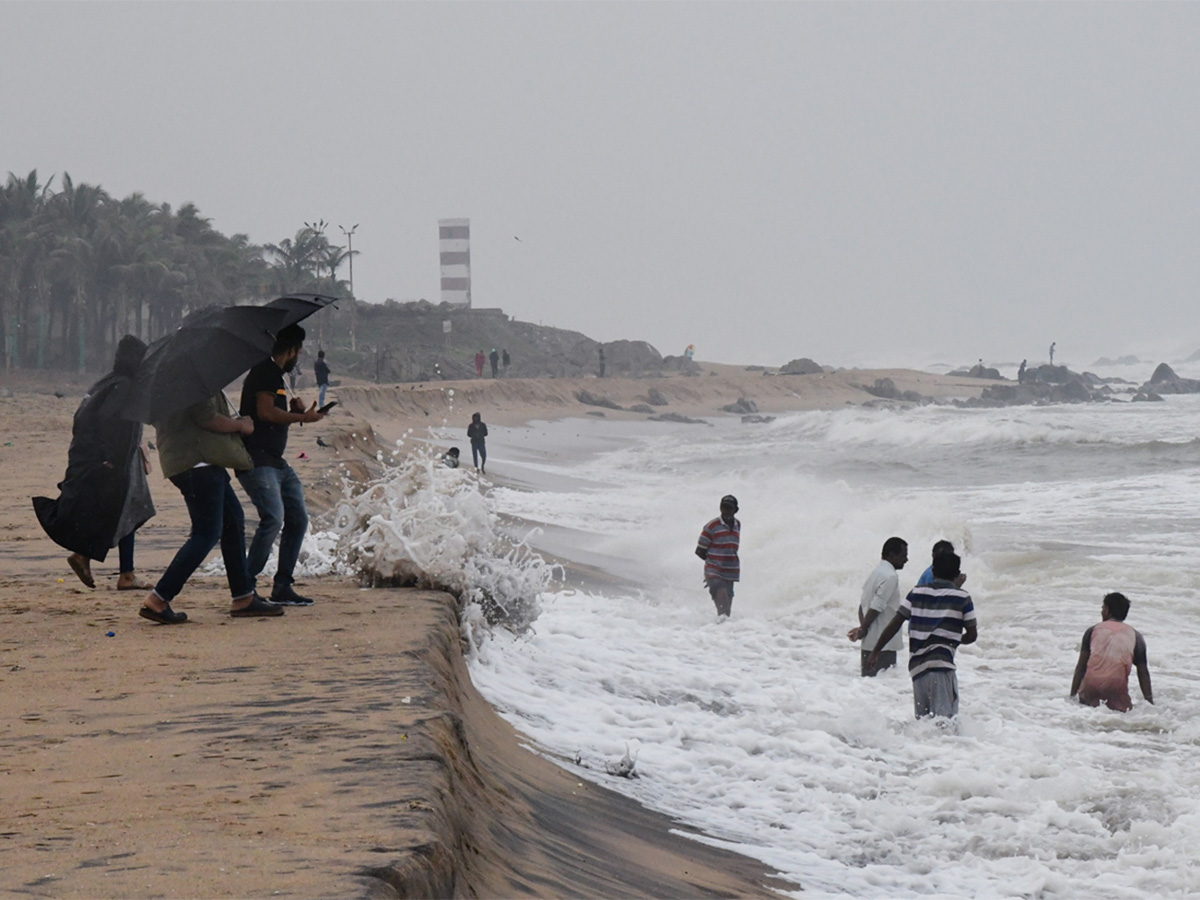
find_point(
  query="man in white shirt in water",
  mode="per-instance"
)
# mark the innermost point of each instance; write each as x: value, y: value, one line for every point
x: 879, y: 603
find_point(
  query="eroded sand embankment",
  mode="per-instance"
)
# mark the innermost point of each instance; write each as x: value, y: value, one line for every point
x: 337, y: 751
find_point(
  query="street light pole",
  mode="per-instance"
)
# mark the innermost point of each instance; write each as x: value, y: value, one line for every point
x: 353, y: 299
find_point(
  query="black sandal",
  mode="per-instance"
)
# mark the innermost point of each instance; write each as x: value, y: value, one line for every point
x: 167, y: 617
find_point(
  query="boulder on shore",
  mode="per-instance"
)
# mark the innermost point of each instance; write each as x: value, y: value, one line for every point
x: 1165, y: 381
x: 802, y: 366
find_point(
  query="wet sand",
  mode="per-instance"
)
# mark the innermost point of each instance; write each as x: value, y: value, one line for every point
x: 337, y: 751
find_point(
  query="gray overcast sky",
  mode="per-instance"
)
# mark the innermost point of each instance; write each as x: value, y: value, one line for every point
x: 856, y: 183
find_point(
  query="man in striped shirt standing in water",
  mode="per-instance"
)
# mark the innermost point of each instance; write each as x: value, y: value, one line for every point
x: 718, y: 547
x: 940, y: 617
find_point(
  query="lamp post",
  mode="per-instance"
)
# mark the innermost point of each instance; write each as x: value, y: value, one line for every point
x: 353, y: 299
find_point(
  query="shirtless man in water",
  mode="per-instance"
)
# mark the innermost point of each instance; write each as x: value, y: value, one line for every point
x: 1110, y: 649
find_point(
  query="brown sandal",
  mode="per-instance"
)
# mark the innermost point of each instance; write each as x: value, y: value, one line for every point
x: 82, y: 569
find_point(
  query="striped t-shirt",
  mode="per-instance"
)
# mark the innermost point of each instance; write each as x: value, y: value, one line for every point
x: 936, y: 615
x: 721, y: 541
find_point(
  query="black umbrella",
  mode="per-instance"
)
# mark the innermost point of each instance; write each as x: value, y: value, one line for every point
x: 210, y: 349
x: 300, y: 306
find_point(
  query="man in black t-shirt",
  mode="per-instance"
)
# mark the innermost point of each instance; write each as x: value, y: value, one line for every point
x: 272, y: 485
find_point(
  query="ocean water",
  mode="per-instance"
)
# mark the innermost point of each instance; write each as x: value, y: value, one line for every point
x: 759, y: 731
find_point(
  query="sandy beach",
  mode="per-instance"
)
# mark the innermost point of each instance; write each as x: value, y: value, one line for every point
x: 337, y: 751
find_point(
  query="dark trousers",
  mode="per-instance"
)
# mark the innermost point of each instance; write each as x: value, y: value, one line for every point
x: 216, y: 517
x: 887, y: 659
x: 125, y: 549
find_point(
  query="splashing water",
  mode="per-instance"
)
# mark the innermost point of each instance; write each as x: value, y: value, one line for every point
x: 422, y: 524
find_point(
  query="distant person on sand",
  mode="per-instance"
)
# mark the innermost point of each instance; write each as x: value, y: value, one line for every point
x: 196, y: 447
x: 1109, y: 650
x: 321, y: 372
x: 1052, y: 346
x: 450, y: 458
x: 479, y: 361
x: 880, y: 601
x: 505, y: 359
x: 477, y: 433
x: 494, y: 359
x: 940, y: 617
x: 104, y: 496
x: 718, y: 547
x: 1021, y: 372
x: 601, y: 362
x: 942, y: 546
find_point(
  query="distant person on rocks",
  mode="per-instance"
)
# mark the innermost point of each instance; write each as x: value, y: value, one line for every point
x: 477, y: 433
x: 940, y: 616
x: 1109, y: 650
x: 1052, y: 346
x: 479, y: 361
x: 505, y: 359
x: 104, y: 496
x: 271, y: 484
x: 494, y: 358
x: 879, y: 603
x: 1021, y: 372
x: 718, y: 547
x: 321, y: 372
x: 601, y: 362
x: 942, y: 546
x: 450, y: 458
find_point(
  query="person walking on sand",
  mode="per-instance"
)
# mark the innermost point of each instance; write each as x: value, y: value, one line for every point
x: 718, y: 546
x: 940, y: 616
x: 271, y: 484
x: 196, y: 447
x: 1109, y: 650
x: 505, y: 360
x: 479, y: 360
x: 601, y: 362
x: 477, y: 434
x: 880, y: 601
x: 494, y: 358
x: 104, y: 497
x: 321, y: 372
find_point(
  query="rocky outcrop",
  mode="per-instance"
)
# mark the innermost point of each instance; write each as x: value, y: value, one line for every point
x: 589, y: 399
x: 744, y: 406
x: 655, y: 397
x: 886, y: 389
x: 1165, y: 381
x: 802, y: 366
x: 682, y: 364
x: 676, y: 417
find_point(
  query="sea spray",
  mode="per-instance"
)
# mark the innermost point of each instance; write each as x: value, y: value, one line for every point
x: 425, y: 525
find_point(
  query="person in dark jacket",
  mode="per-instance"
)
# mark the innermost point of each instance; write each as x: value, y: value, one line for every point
x: 321, y: 371
x: 104, y: 496
x: 477, y: 432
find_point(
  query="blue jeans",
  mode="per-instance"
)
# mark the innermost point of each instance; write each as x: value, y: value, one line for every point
x: 479, y: 453
x: 216, y: 517
x: 278, y: 497
x: 324, y: 388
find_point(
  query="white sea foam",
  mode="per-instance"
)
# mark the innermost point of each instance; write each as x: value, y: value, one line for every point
x: 759, y: 729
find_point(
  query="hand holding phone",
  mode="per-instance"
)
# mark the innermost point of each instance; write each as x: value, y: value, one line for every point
x: 327, y: 407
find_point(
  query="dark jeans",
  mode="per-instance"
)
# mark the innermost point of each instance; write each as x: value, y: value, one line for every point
x: 278, y: 496
x: 479, y: 453
x: 125, y: 549
x: 887, y: 659
x: 216, y: 517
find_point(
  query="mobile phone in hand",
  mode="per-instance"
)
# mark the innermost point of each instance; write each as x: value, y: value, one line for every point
x: 327, y: 407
